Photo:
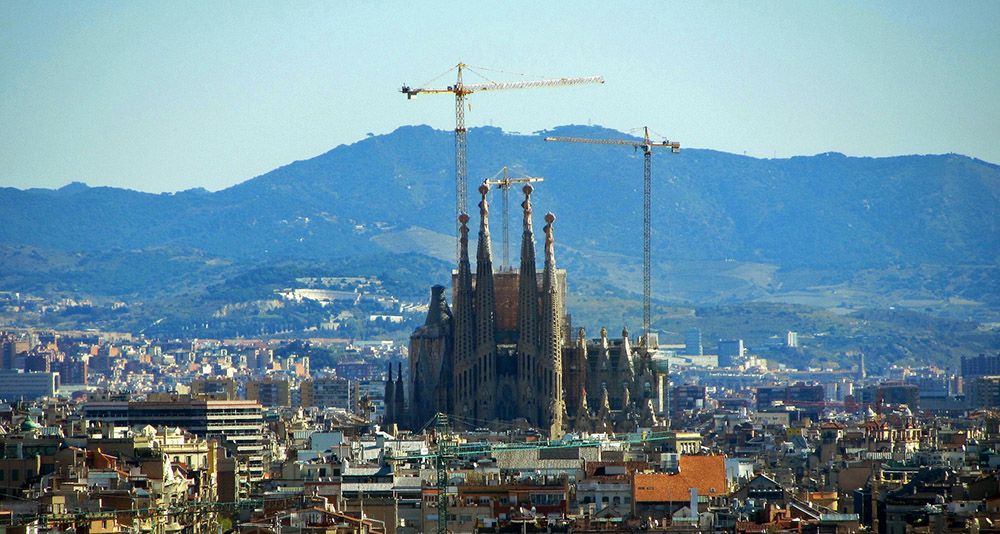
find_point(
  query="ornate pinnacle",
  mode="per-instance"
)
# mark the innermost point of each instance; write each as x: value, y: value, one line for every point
x: 484, y: 206
x: 463, y: 220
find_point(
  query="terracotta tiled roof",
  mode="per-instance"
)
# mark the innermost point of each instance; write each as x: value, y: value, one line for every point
x: 707, y: 473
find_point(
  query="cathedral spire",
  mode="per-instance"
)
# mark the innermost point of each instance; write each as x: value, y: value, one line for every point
x: 604, y: 357
x: 465, y: 333
x: 604, y: 416
x: 549, y: 275
x: 528, y: 281
x: 484, y: 296
x: 625, y: 364
x: 483, y: 382
x: 583, y: 421
x: 552, y: 332
x: 437, y: 310
x: 648, y: 415
x: 464, y: 327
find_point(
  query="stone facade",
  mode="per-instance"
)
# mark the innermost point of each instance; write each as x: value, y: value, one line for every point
x: 504, y: 351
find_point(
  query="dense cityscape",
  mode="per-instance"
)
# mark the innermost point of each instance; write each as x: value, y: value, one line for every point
x: 499, y: 416
x: 307, y: 295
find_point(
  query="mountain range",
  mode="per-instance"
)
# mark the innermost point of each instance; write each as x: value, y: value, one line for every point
x: 832, y: 231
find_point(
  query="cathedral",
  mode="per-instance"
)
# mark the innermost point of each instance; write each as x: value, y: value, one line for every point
x: 505, y: 352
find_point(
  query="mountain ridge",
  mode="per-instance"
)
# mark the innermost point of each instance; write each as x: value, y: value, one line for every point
x: 395, y: 193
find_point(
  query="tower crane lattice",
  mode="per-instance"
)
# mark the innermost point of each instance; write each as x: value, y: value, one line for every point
x: 461, y: 90
x: 503, y: 183
x: 647, y: 147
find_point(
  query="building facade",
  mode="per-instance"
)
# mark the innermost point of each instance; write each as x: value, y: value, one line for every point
x: 504, y: 352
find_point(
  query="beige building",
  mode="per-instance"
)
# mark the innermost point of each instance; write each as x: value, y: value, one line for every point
x: 270, y: 393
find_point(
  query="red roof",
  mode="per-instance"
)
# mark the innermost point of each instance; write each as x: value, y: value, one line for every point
x: 706, y: 473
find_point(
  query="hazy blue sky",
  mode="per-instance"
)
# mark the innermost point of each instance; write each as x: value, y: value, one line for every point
x: 164, y: 96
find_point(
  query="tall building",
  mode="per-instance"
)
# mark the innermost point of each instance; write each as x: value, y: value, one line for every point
x: 982, y: 365
x: 238, y: 423
x: 792, y: 339
x: 74, y: 370
x: 692, y: 343
x: 985, y: 392
x: 269, y: 392
x: 15, y: 385
x: 10, y: 349
x: 504, y: 351
x: 330, y: 393
x: 688, y: 397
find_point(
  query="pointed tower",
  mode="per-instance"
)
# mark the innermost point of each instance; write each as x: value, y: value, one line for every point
x: 551, y: 355
x: 431, y: 349
x: 465, y: 332
x: 626, y: 366
x: 604, y: 417
x: 399, y: 410
x: 484, y: 306
x: 529, y: 334
x: 648, y: 415
x: 528, y: 280
x: 604, y: 363
x: 390, y: 399
x: 583, y: 421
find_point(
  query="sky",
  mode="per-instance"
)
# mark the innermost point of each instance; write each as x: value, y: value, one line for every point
x: 167, y: 96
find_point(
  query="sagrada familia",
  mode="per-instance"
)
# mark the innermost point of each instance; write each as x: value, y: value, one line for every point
x: 504, y: 351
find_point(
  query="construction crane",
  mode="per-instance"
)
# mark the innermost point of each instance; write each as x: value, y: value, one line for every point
x: 461, y: 90
x: 647, y: 147
x: 503, y: 183
x: 447, y: 450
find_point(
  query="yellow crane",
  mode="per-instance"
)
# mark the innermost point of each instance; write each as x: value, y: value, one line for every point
x: 461, y: 90
x: 503, y: 183
x: 647, y: 147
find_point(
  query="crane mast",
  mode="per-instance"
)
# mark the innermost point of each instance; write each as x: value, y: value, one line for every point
x: 461, y: 91
x: 504, y: 184
x: 647, y: 147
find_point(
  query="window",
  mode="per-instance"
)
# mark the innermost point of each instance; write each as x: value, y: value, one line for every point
x: 15, y: 475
